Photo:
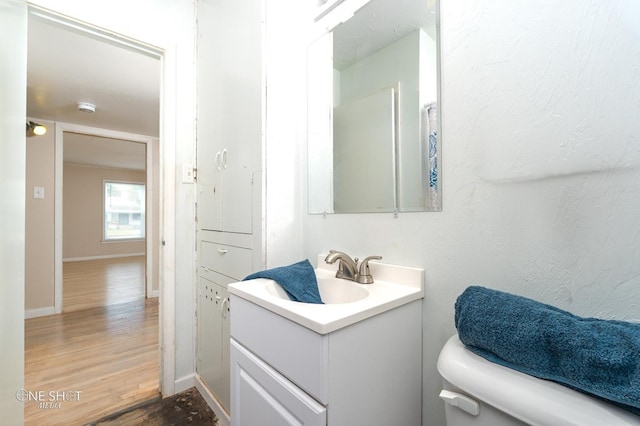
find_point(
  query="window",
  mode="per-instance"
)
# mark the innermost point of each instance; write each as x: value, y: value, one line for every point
x: 124, y: 206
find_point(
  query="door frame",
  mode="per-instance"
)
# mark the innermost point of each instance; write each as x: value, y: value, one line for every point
x: 167, y: 190
x: 151, y: 234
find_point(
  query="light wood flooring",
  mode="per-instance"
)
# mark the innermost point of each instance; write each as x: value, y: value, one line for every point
x: 102, y: 282
x: 86, y: 363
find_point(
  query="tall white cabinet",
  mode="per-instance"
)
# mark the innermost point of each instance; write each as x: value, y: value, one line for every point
x: 230, y: 117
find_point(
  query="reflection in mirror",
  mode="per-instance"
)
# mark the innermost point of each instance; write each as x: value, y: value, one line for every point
x: 373, y: 142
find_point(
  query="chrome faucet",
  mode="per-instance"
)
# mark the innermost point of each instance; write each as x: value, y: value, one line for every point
x: 364, y: 275
x: 349, y: 269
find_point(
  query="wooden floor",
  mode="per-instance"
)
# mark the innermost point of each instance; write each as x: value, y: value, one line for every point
x: 86, y: 363
x: 102, y: 282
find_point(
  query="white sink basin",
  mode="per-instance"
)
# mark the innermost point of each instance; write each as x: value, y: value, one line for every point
x: 332, y: 290
x: 346, y: 302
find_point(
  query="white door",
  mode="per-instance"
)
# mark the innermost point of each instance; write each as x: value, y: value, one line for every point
x: 13, y: 107
x: 262, y: 396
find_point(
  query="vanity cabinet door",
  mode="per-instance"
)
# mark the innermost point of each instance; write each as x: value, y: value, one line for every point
x: 262, y: 396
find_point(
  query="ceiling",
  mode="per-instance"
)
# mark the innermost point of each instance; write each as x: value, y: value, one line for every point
x: 65, y: 66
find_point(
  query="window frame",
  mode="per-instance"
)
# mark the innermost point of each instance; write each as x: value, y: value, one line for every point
x: 105, y: 238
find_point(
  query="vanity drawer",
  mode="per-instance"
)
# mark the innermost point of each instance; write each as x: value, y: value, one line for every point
x: 296, y: 352
x: 234, y: 262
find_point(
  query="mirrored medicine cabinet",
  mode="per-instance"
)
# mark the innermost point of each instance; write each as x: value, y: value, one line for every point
x: 373, y: 119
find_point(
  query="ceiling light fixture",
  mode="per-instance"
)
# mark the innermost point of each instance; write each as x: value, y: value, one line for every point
x: 36, y: 128
x: 86, y: 107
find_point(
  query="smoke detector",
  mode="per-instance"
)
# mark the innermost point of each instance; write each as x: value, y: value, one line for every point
x: 86, y: 107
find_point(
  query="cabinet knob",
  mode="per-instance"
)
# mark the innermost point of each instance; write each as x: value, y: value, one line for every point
x: 222, y: 250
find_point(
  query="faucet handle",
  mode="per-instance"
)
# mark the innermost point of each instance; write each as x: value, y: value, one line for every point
x: 364, y: 274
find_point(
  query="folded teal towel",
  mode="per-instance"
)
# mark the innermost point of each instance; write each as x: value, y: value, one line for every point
x: 595, y: 356
x: 298, y: 280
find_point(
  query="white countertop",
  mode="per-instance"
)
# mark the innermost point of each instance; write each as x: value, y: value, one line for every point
x: 394, y: 286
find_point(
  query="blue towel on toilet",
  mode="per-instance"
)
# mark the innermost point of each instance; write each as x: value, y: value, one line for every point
x: 595, y: 356
x: 298, y: 280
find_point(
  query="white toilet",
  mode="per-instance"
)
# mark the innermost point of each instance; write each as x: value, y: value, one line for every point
x: 478, y: 392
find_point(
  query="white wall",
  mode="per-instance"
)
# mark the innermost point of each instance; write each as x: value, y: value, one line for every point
x: 284, y: 154
x: 169, y: 25
x: 540, y: 168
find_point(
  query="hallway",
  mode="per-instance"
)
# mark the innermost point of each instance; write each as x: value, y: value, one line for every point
x: 93, y: 360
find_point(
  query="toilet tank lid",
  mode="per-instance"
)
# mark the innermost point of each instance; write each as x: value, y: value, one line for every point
x: 527, y: 398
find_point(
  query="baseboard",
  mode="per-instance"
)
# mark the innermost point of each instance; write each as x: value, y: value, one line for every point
x: 39, y: 312
x: 103, y: 256
x: 184, y: 383
x: 222, y: 415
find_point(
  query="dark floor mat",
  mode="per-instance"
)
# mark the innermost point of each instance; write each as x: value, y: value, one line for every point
x: 187, y: 407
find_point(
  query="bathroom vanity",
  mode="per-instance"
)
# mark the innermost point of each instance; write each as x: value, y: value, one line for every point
x: 354, y: 361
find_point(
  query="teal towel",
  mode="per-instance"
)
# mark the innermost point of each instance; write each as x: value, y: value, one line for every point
x: 298, y: 280
x: 595, y: 356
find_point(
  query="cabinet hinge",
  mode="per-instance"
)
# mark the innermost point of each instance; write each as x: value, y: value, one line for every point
x: 252, y: 172
x: 195, y: 174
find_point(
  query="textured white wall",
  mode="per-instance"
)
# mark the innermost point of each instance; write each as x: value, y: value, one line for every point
x: 284, y: 153
x: 540, y: 168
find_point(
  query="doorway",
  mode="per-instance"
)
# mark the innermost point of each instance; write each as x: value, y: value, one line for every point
x: 104, y: 230
x: 96, y: 129
x: 97, y: 157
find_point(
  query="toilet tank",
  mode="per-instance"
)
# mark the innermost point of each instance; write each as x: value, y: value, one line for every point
x: 478, y: 392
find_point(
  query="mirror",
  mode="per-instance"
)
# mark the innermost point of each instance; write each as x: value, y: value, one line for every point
x: 373, y: 88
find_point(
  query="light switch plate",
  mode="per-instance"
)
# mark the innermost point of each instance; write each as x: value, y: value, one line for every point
x: 38, y: 192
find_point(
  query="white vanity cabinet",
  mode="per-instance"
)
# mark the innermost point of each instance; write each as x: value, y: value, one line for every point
x: 367, y: 373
